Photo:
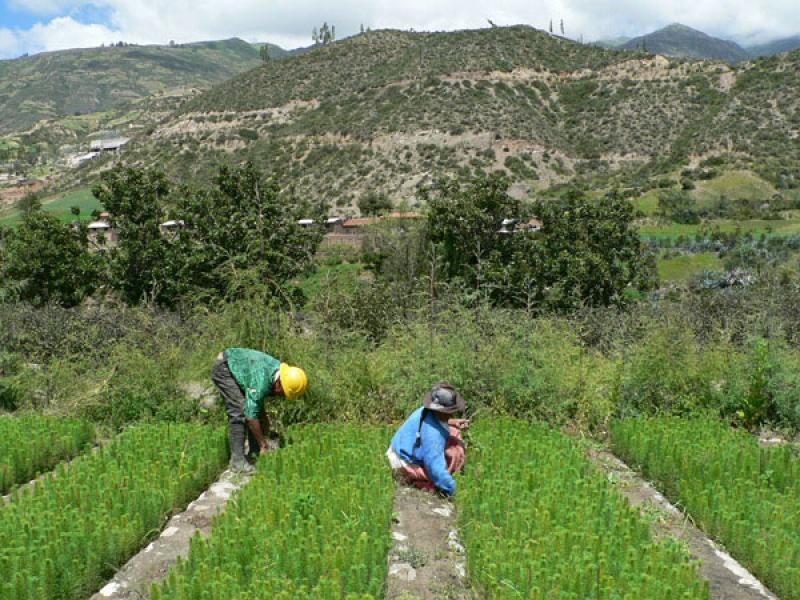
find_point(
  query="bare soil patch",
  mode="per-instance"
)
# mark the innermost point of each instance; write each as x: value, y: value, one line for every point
x: 728, y: 579
x: 427, y: 560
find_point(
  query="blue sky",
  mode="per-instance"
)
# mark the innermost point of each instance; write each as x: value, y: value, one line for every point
x: 29, y: 26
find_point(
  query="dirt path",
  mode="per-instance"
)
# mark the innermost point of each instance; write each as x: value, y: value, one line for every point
x: 427, y: 560
x: 132, y: 582
x: 728, y: 579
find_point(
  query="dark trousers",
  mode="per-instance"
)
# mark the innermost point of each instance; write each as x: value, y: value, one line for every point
x: 231, y: 390
x: 234, y: 397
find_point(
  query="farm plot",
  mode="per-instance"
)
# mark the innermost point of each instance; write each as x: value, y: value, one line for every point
x: 538, y: 521
x: 62, y: 538
x: 313, y: 523
x: 745, y: 496
x: 33, y: 444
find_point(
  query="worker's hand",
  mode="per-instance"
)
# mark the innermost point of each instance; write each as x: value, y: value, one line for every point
x: 264, y: 449
x: 460, y: 423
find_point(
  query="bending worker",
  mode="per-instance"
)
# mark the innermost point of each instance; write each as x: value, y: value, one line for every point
x: 245, y: 377
x: 428, y: 449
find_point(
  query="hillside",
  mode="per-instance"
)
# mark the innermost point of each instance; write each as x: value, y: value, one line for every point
x: 775, y: 46
x: 72, y: 82
x: 681, y: 41
x: 388, y: 111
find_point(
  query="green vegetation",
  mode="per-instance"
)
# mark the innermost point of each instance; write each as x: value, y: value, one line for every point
x: 682, y: 268
x: 588, y: 252
x: 86, y: 519
x: 60, y: 207
x: 324, y: 508
x: 33, y: 444
x: 543, y: 126
x: 752, y: 226
x: 539, y: 522
x: 740, y: 494
x: 55, y: 84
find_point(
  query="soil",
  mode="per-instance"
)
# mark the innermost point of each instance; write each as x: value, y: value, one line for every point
x: 427, y: 560
x: 132, y: 582
x: 728, y: 579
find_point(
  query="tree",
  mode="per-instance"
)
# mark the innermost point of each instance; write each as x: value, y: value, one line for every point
x: 562, y: 26
x: 44, y: 260
x: 325, y: 35
x: 242, y: 238
x: 139, y: 266
x: 466, y: 222
x: 551, y: 25
x: 677, y: 206
x: 374, y: 203
x: 362, y: 28
x: 588, y: 252
x: 263, y: 52
x: 29, y: 203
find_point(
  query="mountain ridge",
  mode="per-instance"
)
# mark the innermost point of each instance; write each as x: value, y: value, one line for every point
x: 389, y: 111
x: 78, y: 81
x: 682, y: 41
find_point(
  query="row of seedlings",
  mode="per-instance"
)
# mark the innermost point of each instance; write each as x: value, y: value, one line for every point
x: 33, y: 444
x: 313, y: 523
x: 64, y: 537
x: 540, y: 522
x: 744, y: 495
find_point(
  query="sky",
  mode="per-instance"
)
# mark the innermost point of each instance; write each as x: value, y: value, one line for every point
x: 31, y: 26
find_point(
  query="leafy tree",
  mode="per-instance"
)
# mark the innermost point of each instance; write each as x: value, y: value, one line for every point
x: 678, y: 207
x: 374, y: 203
x: 45, y: 260
x: 466, y: 221
x: 263, y: 52
x: 242, y: 238
x: 29, y: 203
x: 562, y: 26
x: 587, y: 253
x: 139, y: 266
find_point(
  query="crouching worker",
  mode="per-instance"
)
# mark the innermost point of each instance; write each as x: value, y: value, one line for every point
x: 245, y: 378
x: 428, y: 449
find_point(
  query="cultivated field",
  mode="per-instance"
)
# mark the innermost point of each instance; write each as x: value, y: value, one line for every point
x: 538, y: 518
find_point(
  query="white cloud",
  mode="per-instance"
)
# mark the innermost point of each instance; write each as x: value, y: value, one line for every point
x: 56, y: 34
x: 289, y: 22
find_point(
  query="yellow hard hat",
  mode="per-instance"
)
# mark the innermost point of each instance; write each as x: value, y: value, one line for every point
x: 293, y: 381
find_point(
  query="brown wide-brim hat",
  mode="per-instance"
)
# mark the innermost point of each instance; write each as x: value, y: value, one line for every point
x: 443, y: 398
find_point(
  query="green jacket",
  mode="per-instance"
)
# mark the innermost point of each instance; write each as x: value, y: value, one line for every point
x: 255, y: 372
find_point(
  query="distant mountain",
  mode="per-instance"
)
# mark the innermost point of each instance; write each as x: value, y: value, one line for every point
x: 279, y: 53
x: 67, y: 82
x: 612, y: 42
x: 774, y: 47
x: 684, y: 42
x: 391, y: 111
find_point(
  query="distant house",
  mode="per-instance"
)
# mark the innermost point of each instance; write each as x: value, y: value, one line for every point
x: 509, y: 226
x: 169, y: 229
x: 532, y: 226
x: 74, y: 161
x: 101, y: 234
x: 108, y: 144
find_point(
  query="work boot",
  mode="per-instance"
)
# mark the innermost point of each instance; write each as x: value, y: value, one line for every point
x: 236, y: 438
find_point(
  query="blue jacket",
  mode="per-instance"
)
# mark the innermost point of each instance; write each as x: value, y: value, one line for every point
x: 430, y: 453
